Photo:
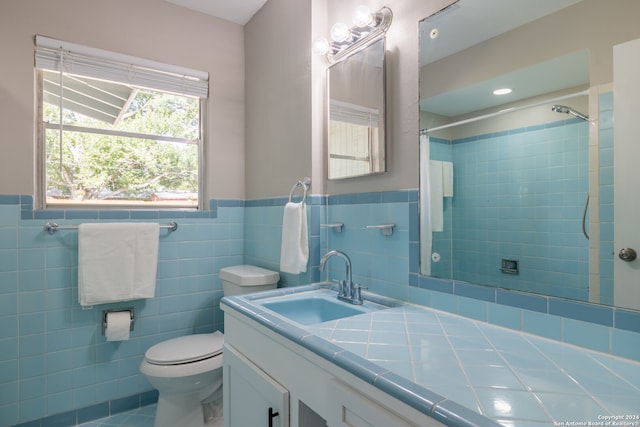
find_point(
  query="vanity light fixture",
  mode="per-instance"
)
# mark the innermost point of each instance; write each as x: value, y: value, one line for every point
x: 362, y: 16
x: 367, y: 26
x: 502, y: 91
x: 340, y: 32
x: 321, y: 46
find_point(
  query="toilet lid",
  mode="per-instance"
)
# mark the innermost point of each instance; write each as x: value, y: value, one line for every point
x: 190, y: 348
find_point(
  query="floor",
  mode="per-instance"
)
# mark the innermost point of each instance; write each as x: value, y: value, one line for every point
x: 141, y: 417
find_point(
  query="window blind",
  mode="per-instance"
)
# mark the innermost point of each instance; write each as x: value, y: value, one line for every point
x: 354, y: 114
x: 81, y: 60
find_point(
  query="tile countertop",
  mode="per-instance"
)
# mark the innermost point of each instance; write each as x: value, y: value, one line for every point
x: 509, y: 377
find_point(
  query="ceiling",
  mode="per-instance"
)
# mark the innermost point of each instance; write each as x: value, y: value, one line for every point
x: 561, y: 73
x: 468, y: 22
x: 238, y: 11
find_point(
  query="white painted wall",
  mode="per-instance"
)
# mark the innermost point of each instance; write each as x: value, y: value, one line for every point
x: 402, y: 92
x: 283, y: 139
x: 278, y: 103
x: 150, y: 29
x: 285, y: 98
x: 586, y: 25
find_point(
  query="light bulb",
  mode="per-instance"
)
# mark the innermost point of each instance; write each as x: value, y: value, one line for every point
x: 340, y: 32
x: 502, y: 91
x: 362, y: 16
x: 321, y: 46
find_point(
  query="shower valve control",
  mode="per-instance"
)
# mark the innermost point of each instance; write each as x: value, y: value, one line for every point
x: 627, y: 254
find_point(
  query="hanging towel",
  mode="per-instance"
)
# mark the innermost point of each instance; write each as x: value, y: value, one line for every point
x: 294, y: 252
x: 436, y: 187
x: 116, y: 262
x: 447, y: 179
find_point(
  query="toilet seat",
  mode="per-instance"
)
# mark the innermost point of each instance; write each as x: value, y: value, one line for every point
x: 186, y: 349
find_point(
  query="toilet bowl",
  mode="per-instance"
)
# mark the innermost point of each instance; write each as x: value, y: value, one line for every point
x: 187, y: 371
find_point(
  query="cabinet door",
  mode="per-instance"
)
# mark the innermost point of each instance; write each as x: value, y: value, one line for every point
x: 251, y: 397
x: 348, y: 408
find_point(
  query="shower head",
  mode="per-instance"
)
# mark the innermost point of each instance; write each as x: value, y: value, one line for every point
x: 560, y: 109
x: 567, y: 110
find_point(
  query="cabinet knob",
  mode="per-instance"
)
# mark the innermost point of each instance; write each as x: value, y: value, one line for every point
x: 627, y: 254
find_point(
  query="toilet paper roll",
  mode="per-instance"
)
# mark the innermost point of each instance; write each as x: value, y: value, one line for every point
x: 118, y: 324
x: 435, y: 257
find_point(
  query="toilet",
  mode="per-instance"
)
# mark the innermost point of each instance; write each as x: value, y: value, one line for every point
x: 187, y: 371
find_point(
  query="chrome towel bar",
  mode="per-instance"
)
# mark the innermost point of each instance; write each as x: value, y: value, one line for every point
x: 52, y: 227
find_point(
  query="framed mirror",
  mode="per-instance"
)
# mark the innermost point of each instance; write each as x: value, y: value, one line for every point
x: 356, y: 121
x: 516, y: 189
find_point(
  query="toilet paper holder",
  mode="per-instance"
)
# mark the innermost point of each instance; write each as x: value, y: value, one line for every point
x: 116, y: 310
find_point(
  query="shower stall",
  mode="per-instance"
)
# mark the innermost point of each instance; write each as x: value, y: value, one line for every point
x: 518, y: 217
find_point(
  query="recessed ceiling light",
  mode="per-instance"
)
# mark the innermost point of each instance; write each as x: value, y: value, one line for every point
x: 503, y: 91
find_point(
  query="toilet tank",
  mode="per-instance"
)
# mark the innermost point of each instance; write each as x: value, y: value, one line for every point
x: 242, y: 279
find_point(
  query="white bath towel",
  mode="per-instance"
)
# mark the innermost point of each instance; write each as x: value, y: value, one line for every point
x: 294, y: 252
x: 116, y: 262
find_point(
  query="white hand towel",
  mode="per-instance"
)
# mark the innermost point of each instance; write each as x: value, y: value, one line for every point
x: 447, y: 179
x: 116, y: 262
x: 294, y: 252
x: 437, y: 204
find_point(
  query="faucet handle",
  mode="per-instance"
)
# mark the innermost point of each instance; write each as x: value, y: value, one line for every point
x: 342, y: 287
x: 357, y: 291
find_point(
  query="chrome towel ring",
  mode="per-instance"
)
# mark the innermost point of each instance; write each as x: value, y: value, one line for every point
x: 304, y: 184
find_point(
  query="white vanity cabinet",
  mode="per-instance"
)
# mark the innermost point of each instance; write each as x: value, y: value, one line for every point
x: 349, y: 408
x: 263, y: 369
x: 254, y: 398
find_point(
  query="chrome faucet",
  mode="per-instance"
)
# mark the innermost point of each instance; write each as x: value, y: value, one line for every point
x: 347, y: 290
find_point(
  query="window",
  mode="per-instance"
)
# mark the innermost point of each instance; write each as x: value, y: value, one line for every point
x: 353, y: 140
x: 117, y: 130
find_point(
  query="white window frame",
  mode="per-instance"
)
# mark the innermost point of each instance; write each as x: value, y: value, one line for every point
x: 56, y: 55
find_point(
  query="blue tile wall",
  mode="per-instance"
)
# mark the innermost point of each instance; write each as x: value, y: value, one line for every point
x: 379, y: 262
x: 521, y: 193
x: 597, y: 327
x: 55, y: 365
x: 263, y: 236
x: 94, y: 412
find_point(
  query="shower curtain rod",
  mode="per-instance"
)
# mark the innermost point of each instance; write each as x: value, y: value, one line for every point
x: 507, y: 110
